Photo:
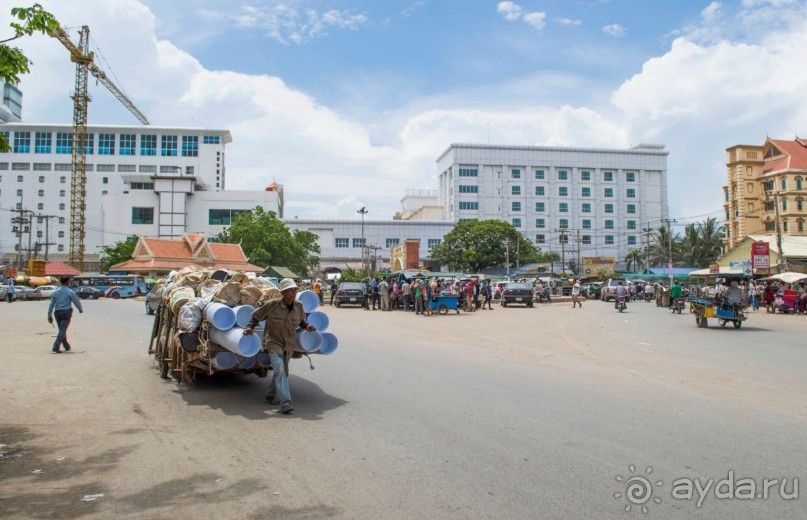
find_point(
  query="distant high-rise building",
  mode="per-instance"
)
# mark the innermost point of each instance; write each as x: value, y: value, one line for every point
x: 11, y: 109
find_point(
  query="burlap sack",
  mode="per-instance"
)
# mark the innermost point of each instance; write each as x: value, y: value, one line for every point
x: 208, y: 288
x: 250, y: 295
x: 269, y: 293
x: 240, y: 278
x: 229, y: 293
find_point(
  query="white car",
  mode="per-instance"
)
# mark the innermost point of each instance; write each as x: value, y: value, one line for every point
x: 43, y: 292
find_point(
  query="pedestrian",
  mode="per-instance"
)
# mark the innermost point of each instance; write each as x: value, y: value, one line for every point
x: 334, y: 288
x: 418, y: 294
x: 283, y: 315
x: 10, y: 291
x: 576, y: 294
x: 427, y: 297
x: 488, y: 294
x: 383, y: 290
x: 469, y: 296
x: 406, y: 293
x: 61, y: 307
x: 364, y: 296
x: 395, y: 300
x: 317, y: 288
x: 768, y: 296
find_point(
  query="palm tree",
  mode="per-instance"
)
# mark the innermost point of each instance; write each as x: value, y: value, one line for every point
x: 711, y: 239
x: 659, y: 246
x: 633, y: 260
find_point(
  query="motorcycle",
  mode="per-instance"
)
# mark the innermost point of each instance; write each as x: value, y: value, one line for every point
x: 621, y: 304
x: 677, y: 306
x: 543, y: 297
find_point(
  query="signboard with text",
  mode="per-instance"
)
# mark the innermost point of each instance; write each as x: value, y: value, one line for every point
x: 760, y: 255
x: 741, y: 265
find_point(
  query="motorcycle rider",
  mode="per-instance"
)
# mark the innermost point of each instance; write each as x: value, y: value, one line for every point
x: 675, y: 293
x: 620, y: 291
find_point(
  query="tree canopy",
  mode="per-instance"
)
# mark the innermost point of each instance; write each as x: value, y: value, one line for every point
x: 700, y: 245
x: 13, y: 63
x: 478, y: 244
x: 267, y: 241
x: 120, y: 252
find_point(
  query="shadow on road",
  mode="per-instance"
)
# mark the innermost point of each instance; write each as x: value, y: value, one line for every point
x: 308, y: 512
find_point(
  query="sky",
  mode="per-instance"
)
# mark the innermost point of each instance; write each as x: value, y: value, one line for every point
x: 348, y: 103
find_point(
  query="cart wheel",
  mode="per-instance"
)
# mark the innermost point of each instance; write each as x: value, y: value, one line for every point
x: 721, y: 322
x: 704, y: 322
x: 737, y: 324
x: 442, y: 308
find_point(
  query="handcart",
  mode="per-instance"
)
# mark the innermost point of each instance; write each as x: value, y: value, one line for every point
x: 443, y: 303
x: 725, y: 312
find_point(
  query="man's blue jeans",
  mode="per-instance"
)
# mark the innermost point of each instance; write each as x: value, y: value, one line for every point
x: 280, y: 379
x: 62, y: 319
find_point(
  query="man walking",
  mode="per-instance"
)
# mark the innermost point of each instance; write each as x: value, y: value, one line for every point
x: 334, y: 288
x: 488, y: 294
x: 576, y: 294
x: 283, y: 315
x: 61, y: 306
x: 10, y: 291
x: 406, y: 292
x: 383, y: 290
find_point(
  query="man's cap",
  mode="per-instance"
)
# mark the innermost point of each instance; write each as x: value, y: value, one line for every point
x: 287, y: 283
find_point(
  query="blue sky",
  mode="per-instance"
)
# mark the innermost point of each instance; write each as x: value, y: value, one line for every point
x: 349, y: 102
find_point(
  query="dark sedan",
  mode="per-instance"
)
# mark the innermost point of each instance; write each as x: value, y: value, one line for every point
x: 88, y: 293
x: 349, y: 293
x: 516, y: 292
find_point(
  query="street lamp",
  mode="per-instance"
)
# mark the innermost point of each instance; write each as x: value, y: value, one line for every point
x: 363, y: 211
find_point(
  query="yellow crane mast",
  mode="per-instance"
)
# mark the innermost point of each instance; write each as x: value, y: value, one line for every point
x: 84, y: 59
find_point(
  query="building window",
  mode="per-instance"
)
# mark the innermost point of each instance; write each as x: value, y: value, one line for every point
x: 609, y: 193
x: 586, y: 207
x: 800, y: 204
x: 631, y: 194
x: 515, y: 173
x: 391, y: 242
x: 563, y: 191
x: 62, y: 193
x: 631, y: 240
x: 784, y: 204
x: 587, y: 240
x: 359, y: 242
x: 540, y: 207
x: 41, y: 167
x: 609, y: 208
x: 609, y: 240
x: 768, y: 207
x: 170, y: 169
x: 469, y: 189
x: 766, y: 186
x: 469, y: 205
x: 563, y: 223
x: 630, y: 177
x: 801, y: 225
x: 142, y: 186
x: 61, y: 248
x: 784, y: 184
x: 609, y: 224
x: 798, y: 183
x: 19, y: 193
x: 585, y: 176
x: 608, y: 176
x: 516, y: 206
x: 42, y: 142
x: 516, y: 222
x: 105, y: 168
x: 539, y: 191
x: 127, y: 144
x: 41, y: 179
x: 168, y: 146
x: 148, y: 144
x: 563, y: 175
x: 89, y: 145
x: 61, y: 207
x: 770, y: 226
x: 127, y: 168
x: 190, y: 146
x: 61, y: 234
x: 586, y: 224
x: 784, y: 225
x: 213, y: 139
x: 64, y: 142
x: 631, y: 209
x: 20, y: 167
x: 433, y: 242
x: 469, y: 172
x: 106, y: 144
x: 631, y: 224
x: 61, y: 167
x: 586, y: 192
x: 218, y: 217
x: 22, y: 142
x: 540, y: 239
x: 147, y: 168
x: 142, y: 215
x: 563, y: 239
x: 61, y: 220
x: 40, y: 206
x: 515, y: 190
x: 563, y: 207
x: 340, y: 242
x: 539, y: 175
x: 540, y: 223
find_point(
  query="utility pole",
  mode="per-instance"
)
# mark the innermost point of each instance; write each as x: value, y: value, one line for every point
x: 507, y: 257
x: 47, y: 243
x: 20, y: 228
x: 562, y: 232
x: 781, y: 256
x: 363, y: 211
x: 647, y: 230
x: 579, y: 259
x: 371, y: 260
x: 669, y: 248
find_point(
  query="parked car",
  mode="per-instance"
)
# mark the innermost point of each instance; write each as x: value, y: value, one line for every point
x: 349, y: 293
x: 517, y: 292
x: 152, y: 302
x: 498, y: 287
x: 43, y: 292
x: 608, y: 291
x: 88, y: 293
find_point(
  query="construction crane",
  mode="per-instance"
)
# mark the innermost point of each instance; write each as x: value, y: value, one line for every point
x: 84, y: 59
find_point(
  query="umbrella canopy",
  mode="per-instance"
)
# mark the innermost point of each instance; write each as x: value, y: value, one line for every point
x: 788, y: 277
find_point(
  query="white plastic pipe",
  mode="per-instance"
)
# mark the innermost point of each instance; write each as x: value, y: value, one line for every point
x: 329, y: 344
x: 309, y: 299
x: 319, y: 319
x: 223, y: 360
x: 243, y: 313
x: 235, y: 341
x: 220, y: 316
x: 307, y: 341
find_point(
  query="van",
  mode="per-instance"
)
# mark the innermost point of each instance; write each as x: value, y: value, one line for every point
x: 608, y: 291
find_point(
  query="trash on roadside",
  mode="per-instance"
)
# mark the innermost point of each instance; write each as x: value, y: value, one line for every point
x: 37, y: 472
x: 90, y: 498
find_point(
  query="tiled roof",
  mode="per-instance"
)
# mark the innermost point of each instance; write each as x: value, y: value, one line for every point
x: 60, y: 269
x: 165, y: 254
x: 795, y: 156
x: 227, y: 252
x: 168, y: 265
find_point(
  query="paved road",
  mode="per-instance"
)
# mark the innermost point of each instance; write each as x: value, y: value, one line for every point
x: 515, y: 413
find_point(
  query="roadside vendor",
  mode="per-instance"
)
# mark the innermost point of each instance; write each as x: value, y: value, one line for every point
x: 283, y: 315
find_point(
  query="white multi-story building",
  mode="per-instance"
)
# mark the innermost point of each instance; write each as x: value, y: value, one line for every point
x: 603, y: 196
x: 141, y: 180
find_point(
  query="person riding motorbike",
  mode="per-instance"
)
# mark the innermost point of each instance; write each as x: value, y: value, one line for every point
x: 621, y: 292
x: 675, y: 293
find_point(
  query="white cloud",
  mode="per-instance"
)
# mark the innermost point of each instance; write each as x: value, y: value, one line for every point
x: 711, y: 12
x: 772, y: 3
x: 509, y: 10
x: 569, y: 21
x: 289, y: 24
x: 614, y: 30
x: 535, y: 20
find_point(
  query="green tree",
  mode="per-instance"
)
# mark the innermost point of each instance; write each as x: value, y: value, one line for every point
x: 475, y: 245
x: 120, y: 252
x: 633, y: 260
x: 355, y: 275
x: 267, y: 241
x: 13, y: 63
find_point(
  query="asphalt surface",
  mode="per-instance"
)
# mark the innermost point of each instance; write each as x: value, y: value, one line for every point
x: 514, y: 413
